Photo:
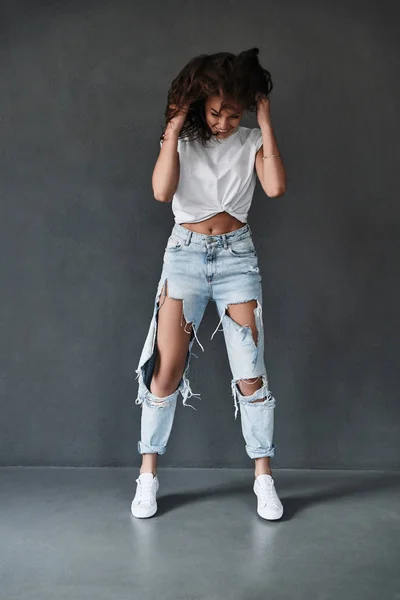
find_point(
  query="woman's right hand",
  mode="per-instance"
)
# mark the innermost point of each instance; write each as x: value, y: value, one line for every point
x: 178, y: 121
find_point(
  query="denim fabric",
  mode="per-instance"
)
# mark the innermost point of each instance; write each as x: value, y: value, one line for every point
x: 198, y: 268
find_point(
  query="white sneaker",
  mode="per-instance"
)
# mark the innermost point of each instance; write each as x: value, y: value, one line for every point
x: 268, y: 504
x: 144, y: 503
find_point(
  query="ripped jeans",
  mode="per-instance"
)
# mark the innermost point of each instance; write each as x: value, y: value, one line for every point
x: 198, y: 268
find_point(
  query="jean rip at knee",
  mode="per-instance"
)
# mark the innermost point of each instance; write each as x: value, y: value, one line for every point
x: 260, y: 398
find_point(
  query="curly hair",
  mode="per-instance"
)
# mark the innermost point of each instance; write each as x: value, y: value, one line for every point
x: 239, y: 76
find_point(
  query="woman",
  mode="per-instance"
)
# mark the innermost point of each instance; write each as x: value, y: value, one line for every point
x: 207, y: 167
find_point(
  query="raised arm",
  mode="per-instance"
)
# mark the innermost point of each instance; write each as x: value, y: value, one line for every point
x: 166, y: 171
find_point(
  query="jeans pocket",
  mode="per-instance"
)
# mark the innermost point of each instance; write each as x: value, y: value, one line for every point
x: 173, y: 244
x: 244, y: 247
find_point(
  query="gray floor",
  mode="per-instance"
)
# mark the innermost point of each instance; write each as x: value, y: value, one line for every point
x: 68, y: 534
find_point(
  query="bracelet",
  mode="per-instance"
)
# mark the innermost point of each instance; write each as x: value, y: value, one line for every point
x: 165, y: 137
x: 269, y: 155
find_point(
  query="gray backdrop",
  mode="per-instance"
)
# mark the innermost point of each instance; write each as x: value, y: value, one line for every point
x: 82, y: 93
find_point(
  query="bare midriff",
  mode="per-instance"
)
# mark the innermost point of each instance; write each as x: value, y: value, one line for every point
x: 223, y: 222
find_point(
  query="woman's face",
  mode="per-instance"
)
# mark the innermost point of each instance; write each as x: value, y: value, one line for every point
x: 222, y: 122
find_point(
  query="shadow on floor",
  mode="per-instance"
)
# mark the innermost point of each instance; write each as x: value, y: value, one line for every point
x: 327, y: 491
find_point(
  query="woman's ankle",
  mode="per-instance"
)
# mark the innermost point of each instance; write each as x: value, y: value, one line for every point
x: 149, y: 464
x: 262, y: 466
x: 144, y: 470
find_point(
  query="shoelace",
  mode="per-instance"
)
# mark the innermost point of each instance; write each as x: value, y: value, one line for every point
x: 269, y: 491
x: 145, y: 494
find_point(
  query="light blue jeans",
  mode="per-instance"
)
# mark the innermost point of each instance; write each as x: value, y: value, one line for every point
x: 198, y: 268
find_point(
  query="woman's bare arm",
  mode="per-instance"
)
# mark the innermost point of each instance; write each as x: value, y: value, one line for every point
x: 165, y: 177
x: 167, y: 168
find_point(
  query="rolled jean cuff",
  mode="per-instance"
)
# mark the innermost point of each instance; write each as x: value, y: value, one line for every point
x: 260, y: 452
x: 144, y: 449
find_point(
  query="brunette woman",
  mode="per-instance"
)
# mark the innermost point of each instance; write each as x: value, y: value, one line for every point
x: 207, y: 167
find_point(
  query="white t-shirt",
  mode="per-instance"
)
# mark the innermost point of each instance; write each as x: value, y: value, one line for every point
x: 216, y: 178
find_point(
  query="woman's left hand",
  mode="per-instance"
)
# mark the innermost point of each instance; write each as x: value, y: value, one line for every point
x: 263, y: 110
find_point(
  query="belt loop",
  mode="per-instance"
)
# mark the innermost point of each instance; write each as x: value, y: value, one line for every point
x: 225, y: 241
x: 188, y: 238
